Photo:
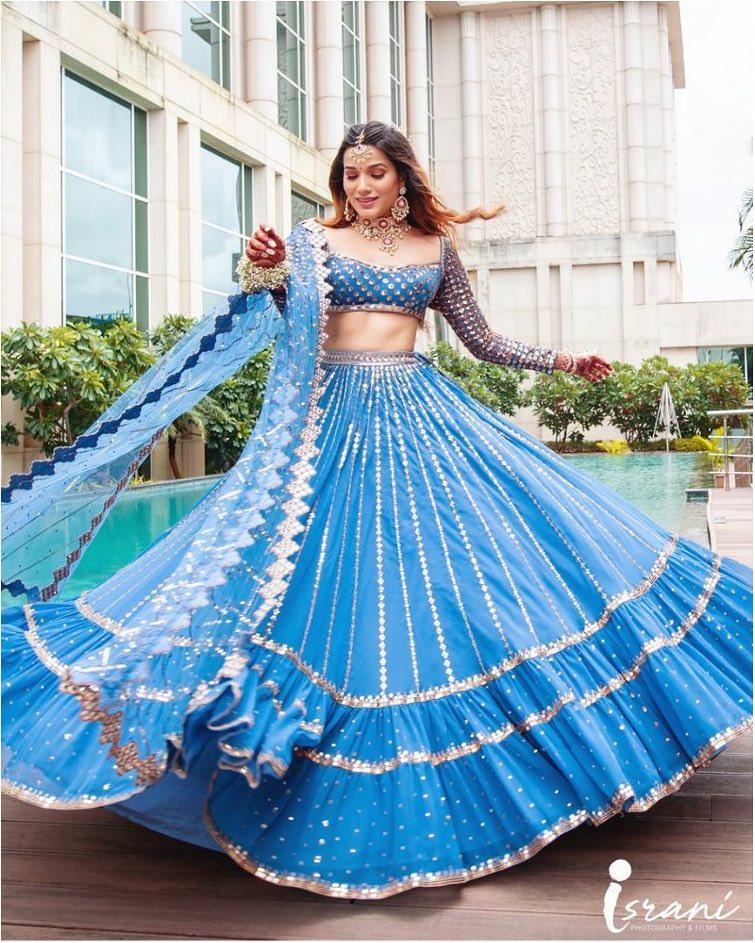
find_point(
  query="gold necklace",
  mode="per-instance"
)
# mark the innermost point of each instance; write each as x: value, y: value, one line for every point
x: 385, y: 228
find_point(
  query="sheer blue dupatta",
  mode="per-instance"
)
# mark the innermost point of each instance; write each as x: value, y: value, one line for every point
x: 51, y: 513
x: 170, y: 647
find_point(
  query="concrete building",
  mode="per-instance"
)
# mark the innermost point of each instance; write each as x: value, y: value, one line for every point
x: 142, y: 141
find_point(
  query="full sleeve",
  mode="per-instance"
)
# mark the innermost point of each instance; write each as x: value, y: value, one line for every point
x: 455, y: 301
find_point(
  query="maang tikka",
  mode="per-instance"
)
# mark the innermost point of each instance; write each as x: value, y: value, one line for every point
x: 361, y: 152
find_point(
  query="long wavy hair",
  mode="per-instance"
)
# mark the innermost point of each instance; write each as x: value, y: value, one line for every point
x: 427, y: 212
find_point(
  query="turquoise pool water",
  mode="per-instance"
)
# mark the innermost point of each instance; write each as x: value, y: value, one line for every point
x: 655, y: 482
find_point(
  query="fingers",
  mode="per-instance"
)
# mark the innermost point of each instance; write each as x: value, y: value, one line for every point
x: 271, y: 234
x: 265, y: 247
x: 594, y: 368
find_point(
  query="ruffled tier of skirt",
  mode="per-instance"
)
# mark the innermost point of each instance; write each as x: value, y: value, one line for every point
x: 364, y: 783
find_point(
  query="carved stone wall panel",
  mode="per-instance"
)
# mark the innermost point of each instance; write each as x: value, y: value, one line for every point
x: 592, y: 111
x: 509, y: 125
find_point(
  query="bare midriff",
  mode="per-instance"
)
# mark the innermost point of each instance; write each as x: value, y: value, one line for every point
x: 370, y: 330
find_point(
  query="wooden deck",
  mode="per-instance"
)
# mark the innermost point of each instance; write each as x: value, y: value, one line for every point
x: 93, y: 875
x: 730, y: 522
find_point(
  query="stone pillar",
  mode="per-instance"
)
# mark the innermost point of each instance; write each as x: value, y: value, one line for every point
x: 553, y: 121
x: 263, y: 182
x: 11, y: 179
x: 41, y: 190
x: 261, y: 58
x: 654, y: 175
x: 416, y: 79
x: 377, y: 25
x: 190, y: 218
x: 667, y: 118
x: 131, y: 14
x: 11, y: 80
x: 635, y: 117
x: 471, y: 118
x: 328, y: 77
x: 161, y: 22
x: 163, y: 215
x: 236, y: 50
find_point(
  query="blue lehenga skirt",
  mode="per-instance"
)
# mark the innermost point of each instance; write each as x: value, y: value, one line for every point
x: 480, y: 648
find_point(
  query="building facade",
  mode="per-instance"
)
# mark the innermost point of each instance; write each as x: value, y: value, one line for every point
x: 143, y: 141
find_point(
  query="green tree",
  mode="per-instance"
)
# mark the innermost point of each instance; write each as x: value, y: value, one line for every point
x: 491, y: 384
x: 65, y: 377
x: 560, y: 401
x: 707, y: 386
x: 632, y: 394
x: 226, y: 416
x: 740, y: 255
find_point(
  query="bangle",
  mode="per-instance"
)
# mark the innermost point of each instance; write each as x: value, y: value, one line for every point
x: 256, y: 278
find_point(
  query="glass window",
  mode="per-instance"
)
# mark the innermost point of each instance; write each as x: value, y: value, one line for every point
x: 302, y: 207
x: 430, y: 96
x: 396, y: 42
x: 113, y: 6
x: 206, y: 39
x: 105, y: 209
x: 292, y: 83
x: 352, y: 70
x: 741, y: 356
x: 226, y: 223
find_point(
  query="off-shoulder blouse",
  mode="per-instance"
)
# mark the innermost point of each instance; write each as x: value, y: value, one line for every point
x: 442, y: 286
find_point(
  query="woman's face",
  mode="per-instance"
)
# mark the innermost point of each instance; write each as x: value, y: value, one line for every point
x: 370, y: 187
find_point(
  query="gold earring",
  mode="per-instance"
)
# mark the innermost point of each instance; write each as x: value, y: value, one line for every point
x: 400, y: 207
x: 348, y: 212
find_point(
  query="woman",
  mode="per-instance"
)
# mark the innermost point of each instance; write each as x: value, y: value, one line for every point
x: 400, y: 642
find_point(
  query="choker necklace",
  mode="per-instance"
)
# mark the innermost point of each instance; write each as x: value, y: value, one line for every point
x: 385, y: 229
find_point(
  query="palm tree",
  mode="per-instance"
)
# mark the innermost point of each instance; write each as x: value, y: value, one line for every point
x: 741, y: 254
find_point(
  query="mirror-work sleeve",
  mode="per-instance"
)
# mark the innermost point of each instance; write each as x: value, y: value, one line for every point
x: 457, y: 304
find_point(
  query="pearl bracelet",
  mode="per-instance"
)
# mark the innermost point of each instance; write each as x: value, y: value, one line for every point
x: 256, y: 278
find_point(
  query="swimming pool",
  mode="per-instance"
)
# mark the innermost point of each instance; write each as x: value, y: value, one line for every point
x: 654, y: 481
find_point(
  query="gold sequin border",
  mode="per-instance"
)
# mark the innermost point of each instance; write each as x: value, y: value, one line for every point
x: 150, y: 769
x: 547, y: 649
x: 535, y: 719
x: 462, y: 875
x: 278, y: 572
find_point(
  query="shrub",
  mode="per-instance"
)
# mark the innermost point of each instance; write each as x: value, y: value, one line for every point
x: 696, y: 443
x: 614, y: 446
x: 632, y: 394
x: 65, y: 377
x: 709, y: 386
x: 226, y: 416
x: 492, y: 385
x: 560, y: 401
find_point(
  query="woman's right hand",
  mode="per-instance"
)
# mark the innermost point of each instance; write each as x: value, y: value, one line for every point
x: 265, y: 247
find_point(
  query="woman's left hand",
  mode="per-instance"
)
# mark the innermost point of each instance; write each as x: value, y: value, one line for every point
x: 592, y: 367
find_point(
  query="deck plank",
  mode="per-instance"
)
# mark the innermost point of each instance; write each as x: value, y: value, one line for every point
x: 729, y: 516
x: 113, y: 911
x: 94, y: 875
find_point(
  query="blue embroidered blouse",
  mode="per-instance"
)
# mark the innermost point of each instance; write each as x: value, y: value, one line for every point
x: 442, y: 286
